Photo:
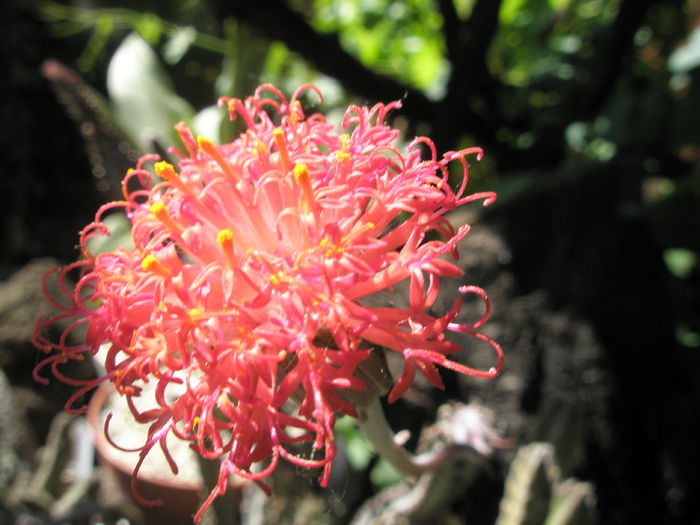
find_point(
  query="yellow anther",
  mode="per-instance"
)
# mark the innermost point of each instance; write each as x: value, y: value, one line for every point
x: 343, y: 154
x: 167, y: 172
x: 151, y: 263
x: 125, y: 390
x: 303, y: 178
x: 225, y: 240
x: 160, y: 212
x: 210, y: 149
x: 277, y: 278
x: 260, y: 149
x: 194, y: 312
x: 281, y: 143
x: 295, y: 112
x: 205, y: 144
x: 301, y: 174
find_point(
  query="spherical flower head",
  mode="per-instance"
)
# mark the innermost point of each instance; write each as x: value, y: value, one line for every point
x: 245, y: 289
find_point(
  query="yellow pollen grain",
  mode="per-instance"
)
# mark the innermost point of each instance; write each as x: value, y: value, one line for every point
x: 343, y: 154
x: 151, y: 264
x: 126, y: 390
x: 225, y: 240
x: 277, y: 278
x: 205, y: 144
x: 167, y: 172
x: 332, y: 251
x: 260, y: 149
x: 303, y: 178
x: 160, y: 212
x: 301, y: 174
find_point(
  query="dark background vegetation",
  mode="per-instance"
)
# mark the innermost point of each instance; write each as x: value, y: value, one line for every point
x: 588, y: 115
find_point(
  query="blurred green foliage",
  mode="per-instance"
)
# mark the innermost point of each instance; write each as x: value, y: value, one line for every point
x: 401, y: 39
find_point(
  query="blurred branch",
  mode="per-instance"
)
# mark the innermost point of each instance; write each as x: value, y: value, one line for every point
x: 469, y: 105
x: 279, y: 22
x: 451, y: 28
x: 483, y: 25
x: 607, y: 62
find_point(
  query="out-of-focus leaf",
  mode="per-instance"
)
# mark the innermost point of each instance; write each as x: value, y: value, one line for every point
x: 103, y: 29
x: 142, y: 95
x: 680, y: 262
x: 357, y: 446
x: 178, y: 44
x: 383, y: 474
x: 399, y: 39
x: 208, y: 123
x: 687, y: 337
x: 427, y: 64
x: 510, y: 9
x: 148, y: 26
x: 687, y: 55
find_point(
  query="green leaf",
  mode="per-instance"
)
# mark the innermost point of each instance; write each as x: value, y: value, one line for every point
x: 384, y: 475
x: 680, y: 262
x: 358, y: 447
x: 148, y: 26
x: 687, y: 337
x: 178, y: 44
x: 144, y: 102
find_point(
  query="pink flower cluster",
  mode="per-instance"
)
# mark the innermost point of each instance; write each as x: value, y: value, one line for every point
x: 245, y: 286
